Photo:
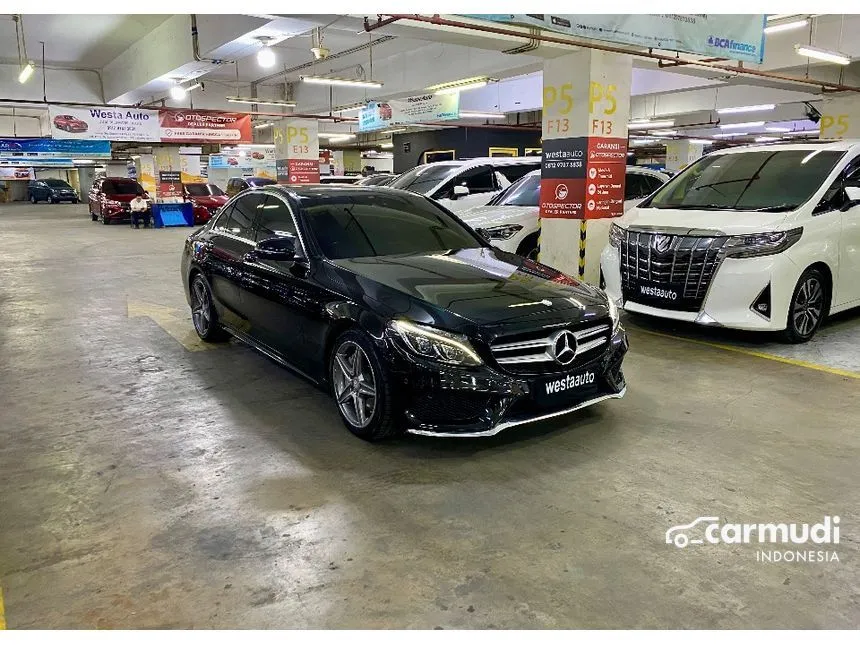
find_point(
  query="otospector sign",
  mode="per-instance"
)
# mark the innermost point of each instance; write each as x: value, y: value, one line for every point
x: 584, y: 141
x: 297, y: 152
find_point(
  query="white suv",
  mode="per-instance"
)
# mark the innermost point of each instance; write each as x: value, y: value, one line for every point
x: 760, y: 238
x: 465, y: 183
x: 510, y: 220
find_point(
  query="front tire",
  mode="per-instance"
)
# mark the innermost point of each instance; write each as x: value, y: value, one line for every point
x: 362, y: 388
x: 808, y: 307
x: 33, y: 199
x: 203, y: 313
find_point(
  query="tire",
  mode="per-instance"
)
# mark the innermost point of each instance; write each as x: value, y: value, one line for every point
x: 33, y: 199
x: 94, y: 217
x: 55, y: 201
x: 528, y: 248
x: 369, y: 417
x: 76, y: 201
x: 809, y: 305
x: 203, y: 313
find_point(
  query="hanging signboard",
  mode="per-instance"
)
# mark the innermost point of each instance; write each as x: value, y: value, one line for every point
x: 169, y: 184
x: 111, y: 123
x: 190, y: 126
x: 41, y: 148
x: 734, y: 36
x: 415, y: 109
x: 297, y: 149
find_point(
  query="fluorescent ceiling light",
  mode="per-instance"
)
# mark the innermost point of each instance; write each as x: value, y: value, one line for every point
x: 823, y: 54
x: 746, y: 108
x: 663, y: 133
x: 766, y: 139
x: 642, y: 142
x: 786, y: 26
x: 726, y: 135
x: 704, y: 142
x: 644, y: 124
x: 748, y: 124
x: 263, y: 126
x: 481, y: 115
x: 387, y: 145
x: 461, y: 85
x: 26, y: 72
x: 773, y: 128
x: 351, y: 108
x: 393, y: 130
x: 780, y: 16
x: 325, y: 80
x: 255, y: 101
x: 336, y: 135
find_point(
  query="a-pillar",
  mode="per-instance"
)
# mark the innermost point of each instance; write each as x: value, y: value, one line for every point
x: 586, y: 105
x: 681, y: 153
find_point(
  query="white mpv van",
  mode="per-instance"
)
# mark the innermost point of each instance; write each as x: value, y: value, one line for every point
x: 465, y: 183
x: 761, y: 238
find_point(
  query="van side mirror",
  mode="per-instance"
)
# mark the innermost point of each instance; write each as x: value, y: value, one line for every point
x: 852, y: 194
x: 459, y: 191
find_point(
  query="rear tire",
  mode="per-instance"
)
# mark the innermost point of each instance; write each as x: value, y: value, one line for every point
x: 808, y: 308
x: 33, y: 199
x: 361, y: 387
x: 203, y: 313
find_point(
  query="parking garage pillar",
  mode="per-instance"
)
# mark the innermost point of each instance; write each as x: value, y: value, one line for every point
x: 297, y: 152
x: 680, y: 154
x: 586, y: 105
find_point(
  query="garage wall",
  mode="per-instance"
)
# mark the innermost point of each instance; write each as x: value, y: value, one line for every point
x: 466, y: 142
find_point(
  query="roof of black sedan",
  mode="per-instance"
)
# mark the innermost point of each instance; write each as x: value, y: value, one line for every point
x: 318, y: 191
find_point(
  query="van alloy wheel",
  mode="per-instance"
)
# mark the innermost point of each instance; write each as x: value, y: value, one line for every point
x: 808, y: 306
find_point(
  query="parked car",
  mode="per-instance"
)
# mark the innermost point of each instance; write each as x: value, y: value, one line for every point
x: 51, y: 190
x: 340, y: 179
x: 110, y: 197
x: 237, y: 184
x: 70, y: 123
x: 762, y: 238
x: 382, y: 179
x: 410, y: 318
x: 206, y: 198
x: 463, y: 184
x: 511, y: 219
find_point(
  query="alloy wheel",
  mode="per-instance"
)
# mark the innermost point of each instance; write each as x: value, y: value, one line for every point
x: 201, y: 312
x: 354, y: 384
x: 808, y: 306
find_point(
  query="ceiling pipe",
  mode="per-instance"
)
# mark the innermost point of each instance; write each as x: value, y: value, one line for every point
x: 734, y: 69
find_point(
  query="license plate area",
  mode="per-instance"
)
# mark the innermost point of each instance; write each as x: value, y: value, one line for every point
x: 561, y: 389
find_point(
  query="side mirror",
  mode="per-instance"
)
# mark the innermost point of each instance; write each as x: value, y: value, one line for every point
x: 459, y: 191
x: 853, y: 197
x: 282, y: 249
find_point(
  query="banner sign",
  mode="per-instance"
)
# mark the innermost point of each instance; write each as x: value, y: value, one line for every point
x: 41, y: 162
x: 734, y: 36
x: 190, y: 126
x: 16, y: 174
x: 297, y: 149
x: 415, y: 109
x: 164, y: 125
x: 41, y: 148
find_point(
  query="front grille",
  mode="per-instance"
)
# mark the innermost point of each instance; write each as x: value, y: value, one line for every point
x: 450, y: 407
x: 669, y: 271
x: 532, y: 352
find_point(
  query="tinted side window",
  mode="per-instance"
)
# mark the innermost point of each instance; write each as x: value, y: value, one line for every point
x: 242, y: 216
x: 478, y: 180
x: 275, y: 219
x: 634, y: 187
x: 653, y: 183
x: 512, y: 173
x: 223, y: 218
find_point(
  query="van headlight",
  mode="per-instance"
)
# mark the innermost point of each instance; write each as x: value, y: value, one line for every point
x: 759, y: 244
x: 616, y: 235
x: 436, y: 344
x: 502, y: 232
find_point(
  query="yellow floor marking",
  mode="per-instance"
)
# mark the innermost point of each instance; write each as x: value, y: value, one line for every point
x: 752, y: 352
x: 176, y: 323
x: 2, y: 612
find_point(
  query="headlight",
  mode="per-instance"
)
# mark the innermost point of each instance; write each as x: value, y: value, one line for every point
x: 503, y: 232
x: 616, y: 235
x: 436, y: 344
x: 759, y: 244
x: 613, y: 313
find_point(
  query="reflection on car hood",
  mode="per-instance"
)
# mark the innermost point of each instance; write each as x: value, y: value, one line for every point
x: 484, y: 216
x: 727, y: 222
x: 482, y: 286
x: 210, y: 201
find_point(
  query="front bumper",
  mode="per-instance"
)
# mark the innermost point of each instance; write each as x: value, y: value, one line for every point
x: 445, y: 401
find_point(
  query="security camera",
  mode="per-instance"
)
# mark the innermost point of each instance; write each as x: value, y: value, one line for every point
x: 812, y: 113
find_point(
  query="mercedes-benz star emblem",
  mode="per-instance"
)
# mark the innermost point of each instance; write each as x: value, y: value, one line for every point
x: 563, y: 347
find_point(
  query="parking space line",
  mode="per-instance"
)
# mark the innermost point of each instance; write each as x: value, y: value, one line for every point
x: 2, y: 611
x: 751, y: 352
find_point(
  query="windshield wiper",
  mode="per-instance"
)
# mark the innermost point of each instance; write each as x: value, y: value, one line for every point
x: 778, y: 208
x: 727, y: 181
x: 692, y: 207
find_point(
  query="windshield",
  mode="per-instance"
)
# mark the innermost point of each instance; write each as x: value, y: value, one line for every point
x: 214, y: 190
x: 122, y: 188
x: 259, y: 181
x: 764, y: 180
x: 524, y: 192
x: 197, y: 190
x: 349, y: 224
x: 56, y: 183
x: 423, y: 179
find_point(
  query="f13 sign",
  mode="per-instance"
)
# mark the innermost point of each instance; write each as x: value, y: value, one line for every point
x: 415, y: 109
x: 191, y: 126
x: 108, y: 123
x: 735, y: 36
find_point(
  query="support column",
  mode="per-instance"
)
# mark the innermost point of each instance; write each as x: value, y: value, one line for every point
x: 840, y: 118
x: 680, y: 154
x: 586, y: 106
x: 297, y: 152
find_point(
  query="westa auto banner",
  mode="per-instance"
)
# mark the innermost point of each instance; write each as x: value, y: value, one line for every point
x: 201, y: 126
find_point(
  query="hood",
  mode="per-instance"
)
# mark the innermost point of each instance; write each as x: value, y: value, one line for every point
x: 121, y: 198
x: 484, y: 216
x: 210, y: 201
x: 727, y: 222
x: 461, y: 290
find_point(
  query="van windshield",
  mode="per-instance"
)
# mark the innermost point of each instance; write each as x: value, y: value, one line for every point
x: 423, y: 179
x: 762, y: 180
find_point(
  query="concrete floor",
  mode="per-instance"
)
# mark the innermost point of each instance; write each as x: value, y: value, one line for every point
x: 149, y: 484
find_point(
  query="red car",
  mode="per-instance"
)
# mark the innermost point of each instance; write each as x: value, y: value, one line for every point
x: 69, y: 123
x: 207, y: 200
x: 110, y: 197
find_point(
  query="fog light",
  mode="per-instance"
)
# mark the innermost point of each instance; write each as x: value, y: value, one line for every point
x: 761, y: 305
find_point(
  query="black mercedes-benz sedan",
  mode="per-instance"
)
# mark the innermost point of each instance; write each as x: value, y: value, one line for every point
x: 411, y: 319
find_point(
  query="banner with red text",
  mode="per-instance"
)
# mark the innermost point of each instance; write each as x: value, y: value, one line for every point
x: 203, y: 126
